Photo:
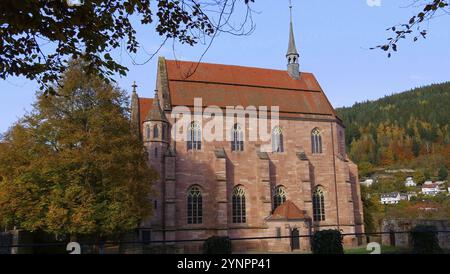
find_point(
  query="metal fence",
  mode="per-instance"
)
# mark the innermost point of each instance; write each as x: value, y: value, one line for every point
x: 399, y: 239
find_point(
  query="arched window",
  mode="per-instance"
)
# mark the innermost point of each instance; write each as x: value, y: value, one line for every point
x: 279, y: 196
x: 277, y: 140
x: 238, y: 205
x: 194, y: 205
x: 237, y: 143
x: 194, y: 138
x: 147, y: 133
x: 316, y: 141
x: 318, y: 204
x: 155, y: 131
x: 163, y: 131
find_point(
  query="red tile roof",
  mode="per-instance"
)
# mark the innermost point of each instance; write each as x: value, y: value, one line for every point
x: 288, y: 211
x: 145, y: 104
x: 226, y: 85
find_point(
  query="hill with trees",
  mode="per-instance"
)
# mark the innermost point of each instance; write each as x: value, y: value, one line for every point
x: 405, y: 130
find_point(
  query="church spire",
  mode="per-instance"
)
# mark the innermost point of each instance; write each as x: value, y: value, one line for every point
x: 156, y: 113
x: 292, y: 55
x: 135, y: 116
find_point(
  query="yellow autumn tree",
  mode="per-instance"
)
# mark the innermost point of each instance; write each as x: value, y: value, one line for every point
x: 74, y: 166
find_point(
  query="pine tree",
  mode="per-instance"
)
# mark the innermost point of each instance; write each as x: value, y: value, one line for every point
x: 443, y: 173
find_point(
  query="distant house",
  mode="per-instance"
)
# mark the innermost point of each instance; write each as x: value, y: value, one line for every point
x: 410, y: 182
x: 407, y: 196
x: 72, y: 3
x: 427, y: 183
x: 404, y: 197
x: 367, y: 182
x: 430, y: 189
x: 390, y: 198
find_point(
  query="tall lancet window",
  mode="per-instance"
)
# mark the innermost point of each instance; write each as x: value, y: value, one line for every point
x: 155, y: 131
x: 277, y: 140
x: 279, y: 196
x: 164, y: 131
x: 238, y: 201
x: 194, y: 205
x: 318, y: 204
x: 194, y: 138
x: 147, y: 132
x: 316, y: 141
x: 237, y: 143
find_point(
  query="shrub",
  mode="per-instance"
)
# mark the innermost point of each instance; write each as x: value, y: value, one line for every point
x: 327, y: 242
x: 217, y: 245
x: 424, y: 240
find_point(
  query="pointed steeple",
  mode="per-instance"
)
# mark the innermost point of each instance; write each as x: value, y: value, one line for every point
x: 292, y: 55
x: 156, y: 113
x: 135, y: 119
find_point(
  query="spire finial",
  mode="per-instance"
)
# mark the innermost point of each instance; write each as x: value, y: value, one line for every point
x: 290, y: 9
x: 134, y: 86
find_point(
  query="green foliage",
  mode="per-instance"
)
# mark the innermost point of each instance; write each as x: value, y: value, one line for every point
x: 443, y: 173
x: 92, y: 30
x: 365, y: 169
x: 419, y: 177
x: 386, y: 185
x: 73, y: 165
x: 369, y: 208
x: 217, y: 245
x: 424, y: 240
x: 327, y: 242
x: 410, y: 129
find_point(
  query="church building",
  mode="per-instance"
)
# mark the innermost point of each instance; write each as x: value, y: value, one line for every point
x: 233, y: 188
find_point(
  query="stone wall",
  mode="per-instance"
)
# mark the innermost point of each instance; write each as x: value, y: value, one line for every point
x: 5, y: 242
x: 404, y: 239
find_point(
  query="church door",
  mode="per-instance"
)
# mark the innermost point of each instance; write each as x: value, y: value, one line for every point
x: 295, y: 239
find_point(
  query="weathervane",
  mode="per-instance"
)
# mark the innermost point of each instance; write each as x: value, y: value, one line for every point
x: 290, y: 8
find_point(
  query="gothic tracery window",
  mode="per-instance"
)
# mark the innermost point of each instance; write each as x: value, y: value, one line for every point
x: 238, y: 204
x: 277, y: 140
x: 279, y: 196
x: 237, y: 143
x: 316, y: 141
x: 318, y: 204
x: 194, y: 205
x: 194, y: 137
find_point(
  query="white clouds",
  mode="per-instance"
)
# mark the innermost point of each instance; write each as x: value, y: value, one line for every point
x: 374, y: 3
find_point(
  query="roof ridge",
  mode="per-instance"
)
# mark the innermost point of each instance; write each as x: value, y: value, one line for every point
x: 228, y: 65
x: 243, y: 85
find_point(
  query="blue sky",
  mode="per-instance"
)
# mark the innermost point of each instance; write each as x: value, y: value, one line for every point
x: 333, y: 39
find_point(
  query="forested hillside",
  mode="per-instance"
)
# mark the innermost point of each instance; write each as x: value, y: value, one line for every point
x: 409, y: 129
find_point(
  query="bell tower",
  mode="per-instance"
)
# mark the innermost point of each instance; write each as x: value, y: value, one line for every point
x: 292, y: 56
